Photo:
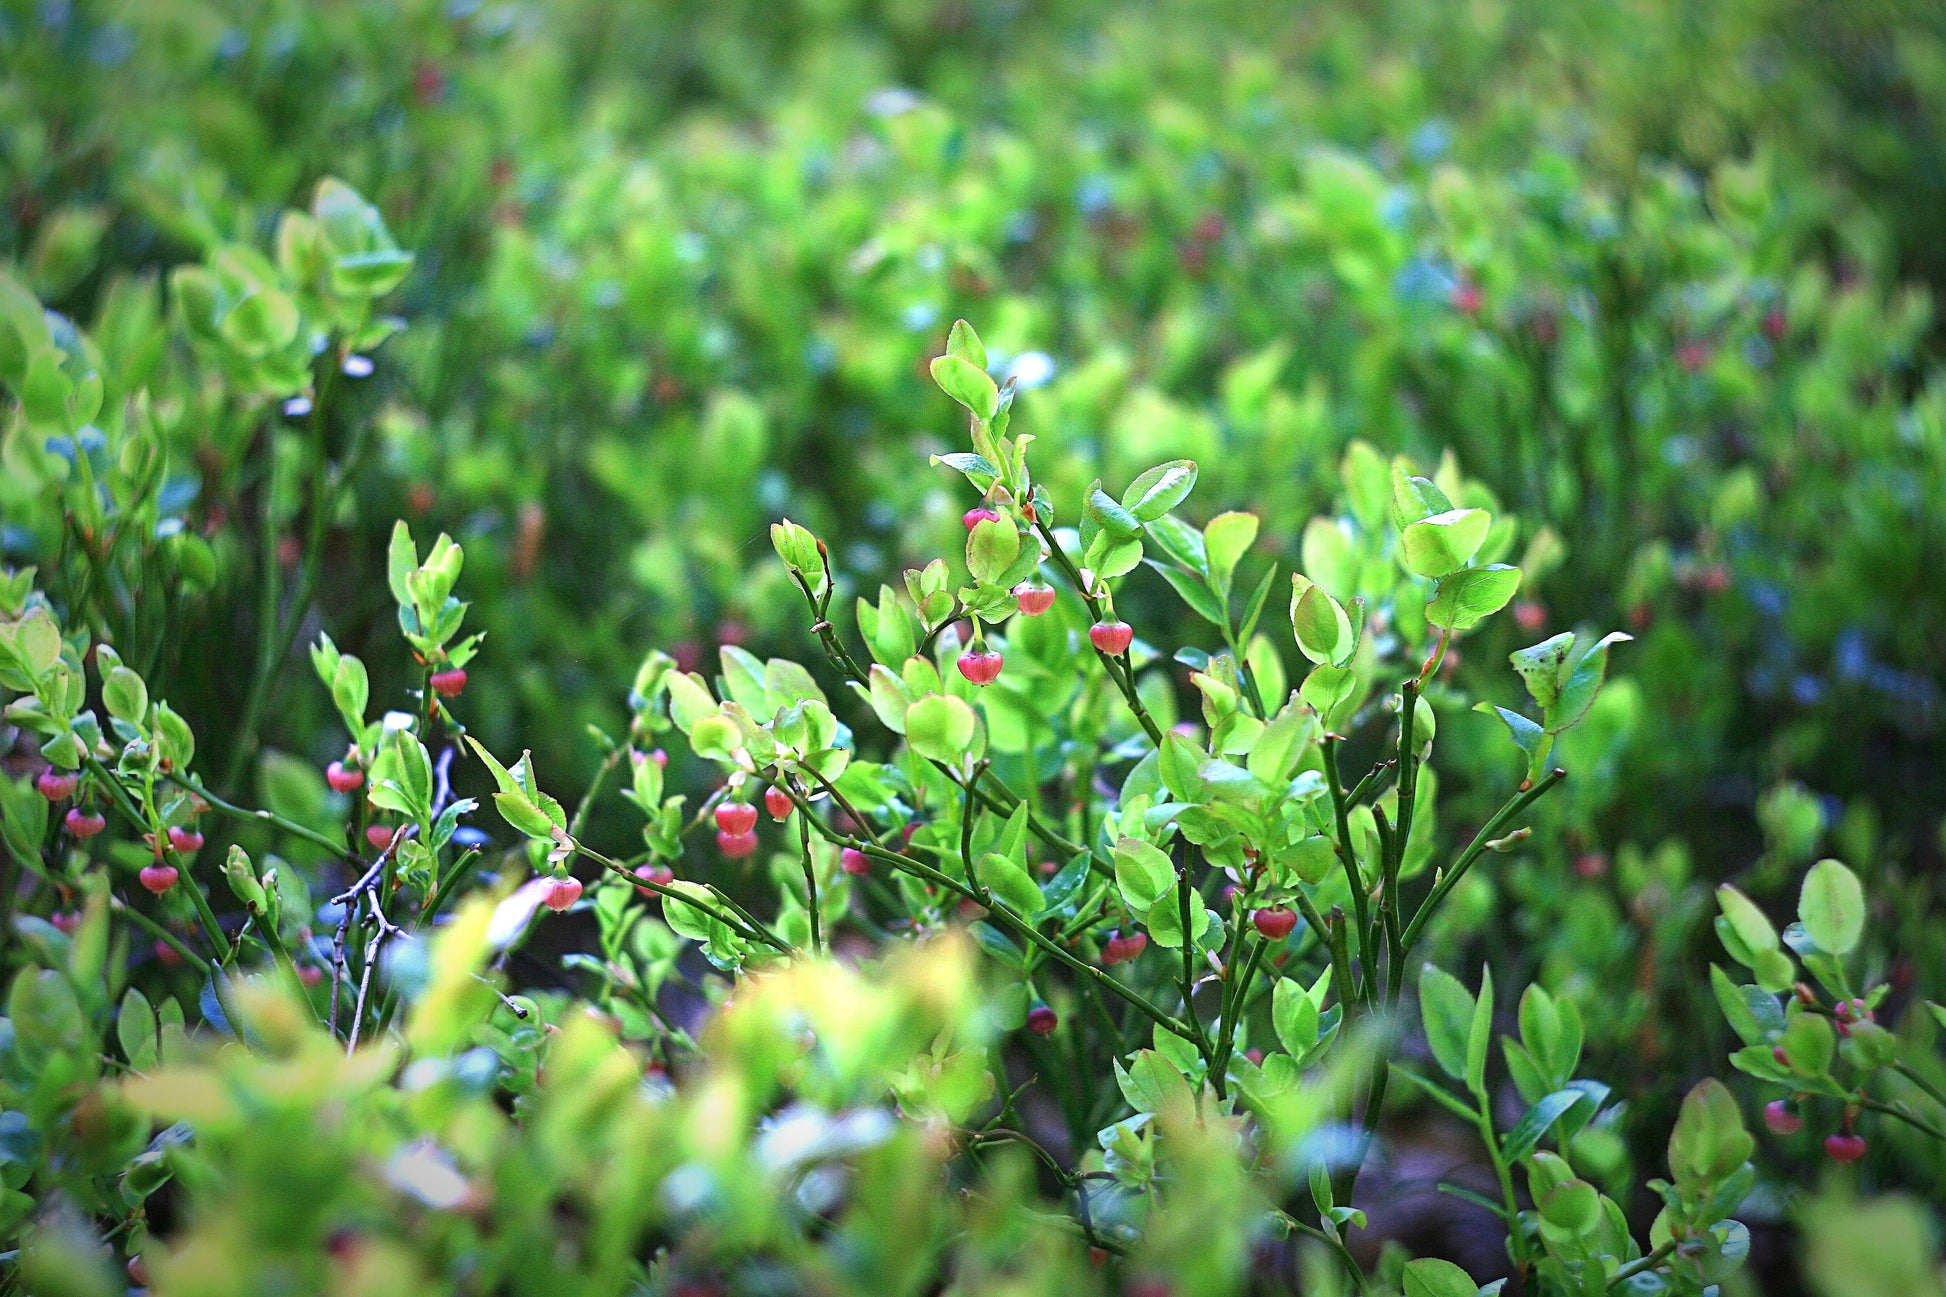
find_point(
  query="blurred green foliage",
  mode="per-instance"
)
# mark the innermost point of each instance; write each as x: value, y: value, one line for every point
x: 1657, y: 274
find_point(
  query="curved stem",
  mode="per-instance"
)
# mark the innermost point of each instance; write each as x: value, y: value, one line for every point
x: 261, y: 817
x: 1640, y: 1264
x: 1118, y: 666
x: 1451, y: 878
x: 160, y: 933
x: 1347, y: 853
x: 998, y: 909
x: 730, y: 921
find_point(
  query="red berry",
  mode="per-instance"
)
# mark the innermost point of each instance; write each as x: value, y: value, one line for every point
x: 1844, y: 1148
x: 1777, y: 1052
x: 1853, y: 1011
x: 57, y: 785
x: 84, y: 824
x: 1134, y: 944
x: 159, y: 878
x: 854, y: 861
x: 1033, y: 598
x: 1255, y: 1055
x: 1775, y: 323
x: 1275, y: 922
x: 65, y: 921
x: 343, y: 779
x: 1530, y: 615
x: 660, y: 875
x: 1467, y: 298
x: 1781, y: 1120
x: 778, y: 803
x: 448, y: 683
x: 187, y: 842
x: 736, y: 817
x: 562, y: 893
x: 978, y: 514
x: 736, y: 846
x: 1111, y: 637
x: 309, y: 974
x: 168, y: 954
x: 1042, y: 1020
x: 982, y: 668
x: 380, y: 836
x: 1591, y: 864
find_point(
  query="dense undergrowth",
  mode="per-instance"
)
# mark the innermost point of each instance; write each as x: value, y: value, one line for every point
x: 1168, y: 842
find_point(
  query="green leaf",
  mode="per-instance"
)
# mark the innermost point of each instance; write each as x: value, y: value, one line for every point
x: 1432, y: 1277
x: 1119, y: 523
x: 1709, y: 1141
x: 1583, y: 682
x: 715, y: 738
x: 1009, y: 883
x: 1540, y: 666
x: 1445, y: 542
x: 1479, y: 1037
x: 1749, y: 923
x: 1831, y: 907
x: 1810, y: 1044
x: 1534, y: 1123
x: 978, y: 469
x: 968, y: 384
x: 1160, y: 489
x: 1736, y: 1009
x: 1225, y: 541
x: 1151, y: 1083
x: 125, y: 696
x: 135, y: 1029
x: 940, y: 727
x: 991, y: 548
x: 1143, y: 872
x: 1201, y: 600
x: 1295, y: 1016
x: 1471, y: 595
x: 1164, y: 921
x: 1415, y: 499
x: 401, y: 560
x: 963, y: 342
x: 1446, y: 1008
x: 1323, y: 630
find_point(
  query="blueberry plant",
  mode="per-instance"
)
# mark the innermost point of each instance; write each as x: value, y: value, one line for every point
x: 1823, y: 1040
x: 1190, y: 937
x: 1136, y: 880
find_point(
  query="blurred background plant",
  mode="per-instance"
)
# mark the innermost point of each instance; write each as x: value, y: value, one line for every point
x: 1659, y: 274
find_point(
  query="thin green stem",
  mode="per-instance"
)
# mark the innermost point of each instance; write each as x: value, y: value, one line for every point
x: 810, y: 882
x: 578, y: 821
x: 1911, y: 1119
x: 160, y: 933
x: 1186, y: 900
x: 995, y: 907
x: 261, y: 817
x: 1504, y: 1174
x: 1347, y: 852
x: 1118, y: 666
x: 1913, y: 1075
x: 1345, y: 1258
x: 1643, y: 1263
x: 1451, y: 878
x: 728, y: 920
